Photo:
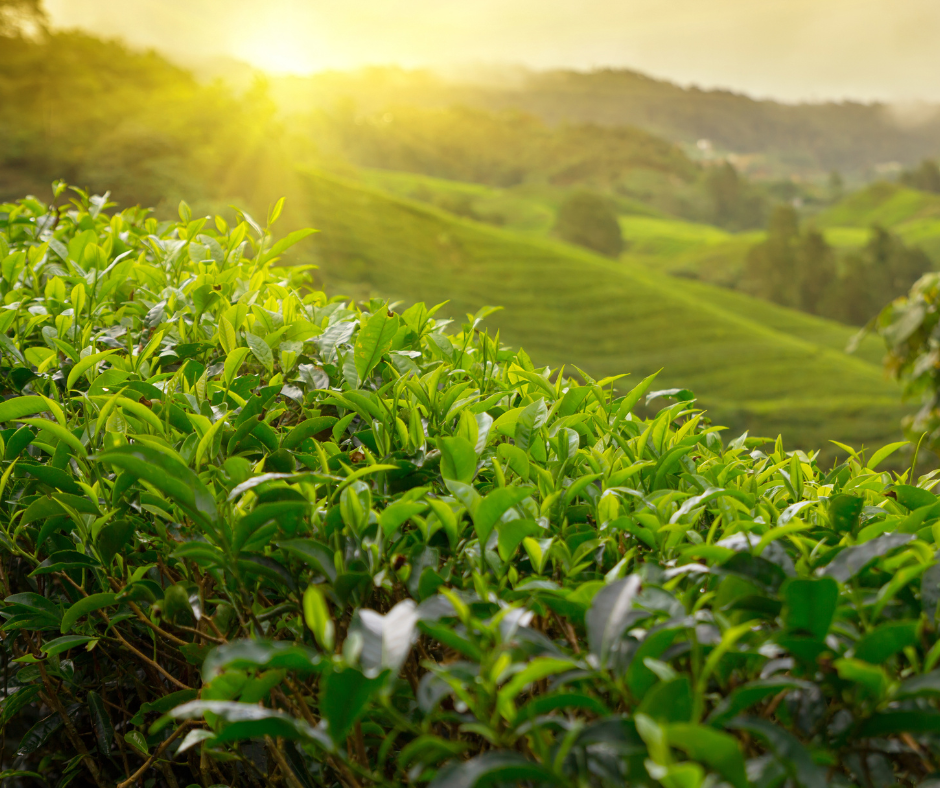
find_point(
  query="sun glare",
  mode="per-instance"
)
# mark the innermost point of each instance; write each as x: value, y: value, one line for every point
x: 280, y: 46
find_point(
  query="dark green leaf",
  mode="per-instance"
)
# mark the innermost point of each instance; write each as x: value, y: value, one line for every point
x: 844, y: 512
x: 64, y: 643
x: 313, y: 553
x: 65, y: 559
x: 101, y: 722
x: 344, y: 698
x: 914, y: 497
x: 167, y: 475
x: 747, y: 695
x: 39, y: 734
x: 608, y: 615
x: 669, y: 701
x: 83, y: 607
x: 886, y: 640
x: 888, y: 723
x: 307, y: 429
x: 810, y: 605
x: 262, y: 655
x: 502, y: 767
x: 718, y: 750
x: 787, y: 749
x: 852, y: 560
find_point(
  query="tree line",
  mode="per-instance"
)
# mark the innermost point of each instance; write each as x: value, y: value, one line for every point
x: 796, y: 267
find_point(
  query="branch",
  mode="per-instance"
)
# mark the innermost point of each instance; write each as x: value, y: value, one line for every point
x: 150, y: 761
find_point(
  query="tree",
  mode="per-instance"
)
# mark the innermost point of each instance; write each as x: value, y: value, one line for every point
x: 884, y: 269
x: 792, y: 267
x: 770, y: 267
x: 589, y: 220
x: 926, y: 177
x: 22, y: 18
x: 734, y: 203
x: 797, y: 268
x: 815, y: 270
x: 836, y: 185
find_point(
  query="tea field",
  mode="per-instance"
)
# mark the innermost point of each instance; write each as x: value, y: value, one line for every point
x: 755, y: 366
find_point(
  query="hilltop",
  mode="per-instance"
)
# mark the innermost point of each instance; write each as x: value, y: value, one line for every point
x: 785, y: 138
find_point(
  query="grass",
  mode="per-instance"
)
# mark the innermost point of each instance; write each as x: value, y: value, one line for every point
x: 913, y: 215
x: 516, y: 209
x: 648, y: 235
x: 755, y: 366
x: 886, y: 204
x: 843, y: 238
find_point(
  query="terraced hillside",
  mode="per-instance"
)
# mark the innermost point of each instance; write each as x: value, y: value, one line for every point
x: 913, y: 215
x: 657, y: 240
x: 752, y: 365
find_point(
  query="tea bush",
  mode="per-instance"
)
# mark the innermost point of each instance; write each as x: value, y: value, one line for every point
x: 253, y: 535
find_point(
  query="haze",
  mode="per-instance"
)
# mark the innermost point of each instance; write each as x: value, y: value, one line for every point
x: 786, y: 49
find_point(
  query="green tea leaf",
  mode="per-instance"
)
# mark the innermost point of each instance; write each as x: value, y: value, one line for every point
x: 101, y: 722
x: 344, y: 698
x: 167, y: 475
x: 374, y: 339
x: 83, y: 607
x: 608, y: 616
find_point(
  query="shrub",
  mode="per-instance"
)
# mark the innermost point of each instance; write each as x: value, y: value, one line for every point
x: 588, y: 220
x: 908, y: 326
x: 253, y: 535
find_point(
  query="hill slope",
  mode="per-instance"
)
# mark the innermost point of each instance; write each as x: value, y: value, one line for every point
x: 913, y: 215
x: 565, y: 305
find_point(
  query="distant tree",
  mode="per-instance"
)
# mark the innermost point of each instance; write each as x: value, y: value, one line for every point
x: 882, y: 270
x: 589, y: 220
x: 734, y: 203
x: 815, y: 270
x: 926, y: 177
x: 791, y: 267
x: 836, y: 185
x: 22, y: 17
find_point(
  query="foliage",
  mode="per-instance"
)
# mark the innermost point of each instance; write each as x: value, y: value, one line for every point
x: 925, y: 177
x: 20, y: 18
x: 108, y: 117
x: 797, y: 268
x: 587, y: 220
x: 497, y: 148
x: 256, y: 536
x: 735, y: 203
x: 755, y: 366
x: 783, y: 138
x: 908, y: 326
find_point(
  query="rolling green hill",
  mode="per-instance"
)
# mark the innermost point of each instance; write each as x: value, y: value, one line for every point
x: 752, y: 365
x: 887, y: 204
x: 913, y: 215
x: 782, y: 138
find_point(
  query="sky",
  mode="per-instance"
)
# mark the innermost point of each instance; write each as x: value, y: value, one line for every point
x: 791, y: 50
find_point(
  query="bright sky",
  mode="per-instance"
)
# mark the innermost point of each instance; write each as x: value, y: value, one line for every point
x: 786, y: 49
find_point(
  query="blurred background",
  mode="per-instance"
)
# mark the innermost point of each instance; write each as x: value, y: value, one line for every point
x: 726, y: 190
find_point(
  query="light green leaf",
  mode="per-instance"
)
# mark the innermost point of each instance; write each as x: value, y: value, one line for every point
x: 374, y: 339
x: 85, y: 364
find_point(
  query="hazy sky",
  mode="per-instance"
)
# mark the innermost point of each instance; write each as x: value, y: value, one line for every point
x: 788, y: 49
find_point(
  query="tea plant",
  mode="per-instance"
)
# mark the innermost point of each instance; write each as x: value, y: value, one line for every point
x: 253, y: 535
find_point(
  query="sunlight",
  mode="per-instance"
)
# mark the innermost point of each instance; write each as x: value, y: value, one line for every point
x: 280, y: 46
